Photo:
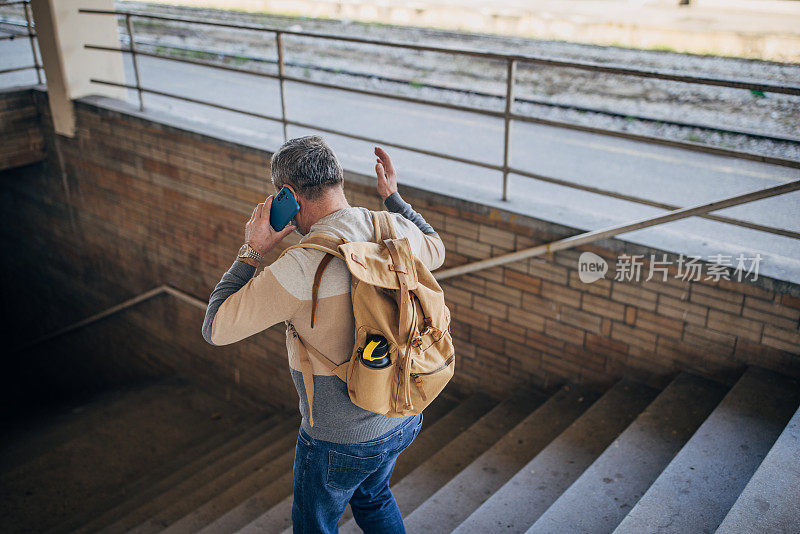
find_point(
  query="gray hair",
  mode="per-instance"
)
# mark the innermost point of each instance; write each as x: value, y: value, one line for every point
x: 307, y: 164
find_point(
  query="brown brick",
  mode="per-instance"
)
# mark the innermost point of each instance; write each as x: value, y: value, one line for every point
x: 487, y: 340
x: 603, y: 306
x: 770, y: 307
x: 496, y: 237
x: 460, y: 227
x: 491, y: 307
x: 634, y: 337
x: 495, y: 274
x: 601, y: 287
x: 630, y: 315
x: 734, y: 324
x: 547, y: 271
x: 605, y: 327
x: 563, y: 332
x: 685, y: 311
x: 560, y: 293
x: 766, y: 317
x: 526, y: 319
x: 505, y: 294
x: 528, y: 283
x: 472, y: 248
x: 708, y: 339
x: 543, y: 342
x: 470, y: 316
x: 604, y: 345
x: 581, y: 319
x: 746, y: 288
x: 791, y: 301
x: 718, y: 299
x: 634, y: 295
x: 507, y: 330
x: 458, y: 296
x: 659, y: 324
x: 539, y: 305
x: 779, y: 338
x: 750, y: 353
x: 560, y: 369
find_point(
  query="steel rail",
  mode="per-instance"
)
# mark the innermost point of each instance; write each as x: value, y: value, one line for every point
x: 538, y: 102
x: 15, y: 69
x: 113, y: 310
x: 29, y: 23
x: 608, y: 69
x: 511, y: 170
x: 696, y: 147
x: 612, y: 231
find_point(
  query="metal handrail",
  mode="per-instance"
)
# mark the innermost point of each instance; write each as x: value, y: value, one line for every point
x: 603, y: 233
x: 31, y: 34
x: 589, y: 189
x: 147, y: 295
x: 507, y: 114
x: 608, y: 69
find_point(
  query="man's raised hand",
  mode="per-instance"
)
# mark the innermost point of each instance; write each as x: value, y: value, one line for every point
x: 259, y: 233
x: 387, y: 175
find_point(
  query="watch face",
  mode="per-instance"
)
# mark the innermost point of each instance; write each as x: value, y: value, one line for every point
x: 243, y: 250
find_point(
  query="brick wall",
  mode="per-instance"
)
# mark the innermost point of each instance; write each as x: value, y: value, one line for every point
x: 20, y: 129
x: 145, y: 203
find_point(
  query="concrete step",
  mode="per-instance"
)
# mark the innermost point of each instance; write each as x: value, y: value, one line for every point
x: 439, y: 468
x: 223, y: 500
x: 154, y: 486
x: 771, y: 500
x: 457, y: 499
x: 151, y: 478
x: 266, y: 464
x: 520, y: 502
x: 697, y: 489
x: 206, y: 473
x: 440, y: 422
x: 265, y: 498
x: 608, y: 489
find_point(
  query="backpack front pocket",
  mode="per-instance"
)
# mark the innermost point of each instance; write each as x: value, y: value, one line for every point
x: 370, y: 388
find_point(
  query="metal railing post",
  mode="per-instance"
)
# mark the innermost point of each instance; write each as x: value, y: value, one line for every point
x: 510, y: 75
x: 27, y: 8
x: 281, y: 73
x: 132, y: 48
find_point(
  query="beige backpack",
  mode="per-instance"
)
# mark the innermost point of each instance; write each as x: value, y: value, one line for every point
x: 394, y: 295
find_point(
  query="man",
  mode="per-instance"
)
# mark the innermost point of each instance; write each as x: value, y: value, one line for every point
x: 349, y: 453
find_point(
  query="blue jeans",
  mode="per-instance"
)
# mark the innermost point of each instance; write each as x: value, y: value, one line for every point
x: 329, y: 475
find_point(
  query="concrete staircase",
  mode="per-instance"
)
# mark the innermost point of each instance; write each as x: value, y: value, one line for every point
x: 697, y: 456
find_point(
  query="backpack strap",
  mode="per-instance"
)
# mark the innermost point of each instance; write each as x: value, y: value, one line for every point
x: 304, y: 349
x: 328, y: 244
x: 400, y: 270
x: 384, y: 228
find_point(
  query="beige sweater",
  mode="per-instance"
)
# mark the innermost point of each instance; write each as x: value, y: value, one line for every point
x: 282, y: 292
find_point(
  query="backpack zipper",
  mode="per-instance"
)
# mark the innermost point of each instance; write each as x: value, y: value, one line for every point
x: 440, y: 368
x: 418, y: 380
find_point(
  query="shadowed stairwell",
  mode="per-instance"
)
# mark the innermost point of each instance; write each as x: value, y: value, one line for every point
x: 616, y: 407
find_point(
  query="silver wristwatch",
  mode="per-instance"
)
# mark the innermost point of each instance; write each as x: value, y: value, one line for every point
x: 246, y: 251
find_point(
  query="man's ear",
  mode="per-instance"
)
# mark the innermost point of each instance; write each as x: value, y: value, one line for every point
x: 296, y: 196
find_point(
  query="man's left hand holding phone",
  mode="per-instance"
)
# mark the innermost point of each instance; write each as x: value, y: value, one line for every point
x: 260, y: 233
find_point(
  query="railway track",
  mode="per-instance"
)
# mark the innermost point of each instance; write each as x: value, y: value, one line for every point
x: 175, y: 50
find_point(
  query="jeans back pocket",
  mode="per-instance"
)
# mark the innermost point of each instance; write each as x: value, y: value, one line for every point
x: 347, y: 472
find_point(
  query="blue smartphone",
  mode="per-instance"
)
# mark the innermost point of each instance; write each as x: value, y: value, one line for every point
x: 284, y: 208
